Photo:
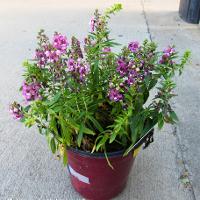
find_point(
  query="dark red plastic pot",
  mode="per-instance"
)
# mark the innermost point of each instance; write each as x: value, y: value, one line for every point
x: 92, y: 177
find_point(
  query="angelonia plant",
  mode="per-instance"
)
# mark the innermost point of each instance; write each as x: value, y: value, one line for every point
x: 86, y: 96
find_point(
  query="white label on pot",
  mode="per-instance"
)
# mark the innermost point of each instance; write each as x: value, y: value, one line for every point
x: 78, y: 176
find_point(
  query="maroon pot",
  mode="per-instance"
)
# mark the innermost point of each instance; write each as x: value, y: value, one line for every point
x: 92, y: 177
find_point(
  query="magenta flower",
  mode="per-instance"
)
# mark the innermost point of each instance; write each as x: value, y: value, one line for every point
x: 31, y: 91
x: 166, y: 55
x: 130, y: 81
x: 76, y: 48
x: 16, y: 110
x: 60, y: 42
x: 106, y: 50
x: 41, y: 57
x: 134, y: 46
x: 84, y: 70
x: 115, y: 95
x: 92, y: 24
x: 122, y: 67
x: 52, y: 56
x: 170, y: 50
x: 70, y: 65
x: 132, y: 77
x: 79, y: 69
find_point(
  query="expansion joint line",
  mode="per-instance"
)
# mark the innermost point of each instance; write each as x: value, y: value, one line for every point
x: 175, y: 128
x: 185, y: 167
x: 146, y: 20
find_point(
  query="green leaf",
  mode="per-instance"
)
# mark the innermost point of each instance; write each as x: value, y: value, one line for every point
x: 173, y: 116
x: 26, y: 109
x: 65, y: 159
x: 102, y: 142
x: 48, y: 136
x: 53, y: 100
x: 96, y: 123
x: 29, y: 122
x: 160, y: 120
x: 95, y: 75
x: 112, y: 137
x: 80, y: 135
x: 53, y: 124
x: 66, y: 134
x: 149, y: 124
x: 53, y: 145
x: 129, y: 150
x: 136, y: 124
x: 108, y: 161
x: 75, y: 126
x: 152, y: 83
x: 88, y: 131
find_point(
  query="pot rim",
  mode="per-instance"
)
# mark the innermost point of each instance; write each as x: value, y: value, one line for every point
x: 96, y: 154
x: 114, y: 153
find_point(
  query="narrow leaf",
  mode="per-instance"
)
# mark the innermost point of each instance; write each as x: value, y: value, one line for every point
x: 80, y: 135
x: 53, y: 145
x: 173, y: 116
x: 65, y: 159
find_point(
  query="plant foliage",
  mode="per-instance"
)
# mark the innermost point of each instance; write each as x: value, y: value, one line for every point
x: 93, y: 99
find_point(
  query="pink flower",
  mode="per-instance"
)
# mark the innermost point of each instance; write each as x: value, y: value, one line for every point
x: 133, y: 46
x: 60, y: 42
x: 53, y: 57
x: 166, y: 55
x: 78, y: 69
x: 92, y: 24
x: 70, y: 65
x: 31, y: 91
x: 170, y: 50
x: 115, y: 95
x: 16, y: 110
x: 122, y: 67
x: 106, y: 50
x: 41, y: 57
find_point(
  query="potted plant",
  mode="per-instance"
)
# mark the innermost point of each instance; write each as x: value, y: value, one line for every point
x: 91, y: 103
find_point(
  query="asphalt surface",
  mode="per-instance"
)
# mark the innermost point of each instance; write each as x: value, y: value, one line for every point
x: 168, y: 169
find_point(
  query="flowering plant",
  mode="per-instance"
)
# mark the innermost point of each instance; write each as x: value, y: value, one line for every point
x: 92, y: 98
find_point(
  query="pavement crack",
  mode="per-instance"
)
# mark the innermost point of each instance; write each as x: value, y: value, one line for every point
x: 185, y: 175
x: 185, y: 167
x: 146, y: 20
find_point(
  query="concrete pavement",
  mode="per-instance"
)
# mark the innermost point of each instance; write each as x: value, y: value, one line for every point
x: 168, y: 169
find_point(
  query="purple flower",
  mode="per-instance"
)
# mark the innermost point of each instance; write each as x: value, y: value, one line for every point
x: 31, y: 91
x: 130, y: 81
x: 170, y: 50
x: 122, y: 67
x: 41, y: 57
x: 79, y: 69
x: 134, y: 46
x: 83, y: 71
x: 76, y: 51
x: 52, y: 56
x: 166, y: 54
x: 70, y: 65
x: 132, y: 76
x: 60, y: 42
x: 106, y: 50
x: 16, y: 110
x: 146, y: 72
x: 92, y: 24
x: 115, y: 95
